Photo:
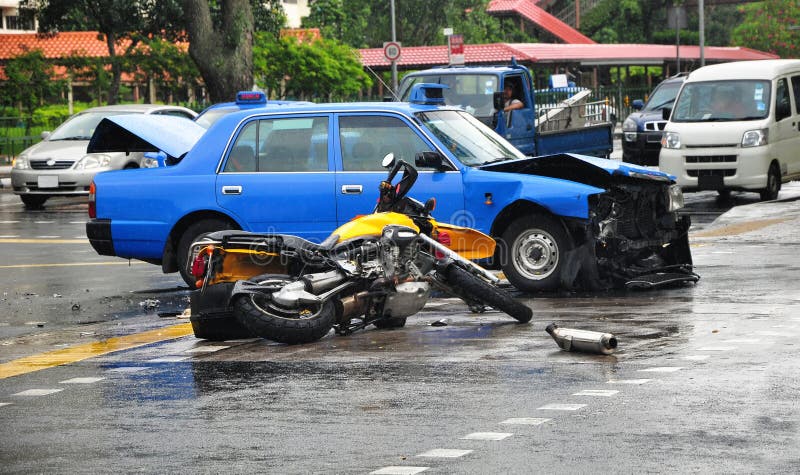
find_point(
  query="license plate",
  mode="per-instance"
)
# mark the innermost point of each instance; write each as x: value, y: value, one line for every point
x: 710, y: 182
x: 48, y: 182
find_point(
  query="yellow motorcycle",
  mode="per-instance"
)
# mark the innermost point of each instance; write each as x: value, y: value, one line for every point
x: 377, y: 269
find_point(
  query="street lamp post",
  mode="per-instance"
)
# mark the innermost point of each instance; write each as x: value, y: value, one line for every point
x: 394, y: 62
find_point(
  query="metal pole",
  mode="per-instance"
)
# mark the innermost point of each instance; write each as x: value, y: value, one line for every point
x: 677, y: 45
x: 701, y: 16
x: 394, y: 63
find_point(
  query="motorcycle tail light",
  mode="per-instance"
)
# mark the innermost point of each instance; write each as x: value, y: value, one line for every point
x: 444, y: 238
x: 199, y: 265
x: 92, y: 202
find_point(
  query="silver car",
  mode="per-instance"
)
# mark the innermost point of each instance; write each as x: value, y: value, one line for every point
x: 59, y: 164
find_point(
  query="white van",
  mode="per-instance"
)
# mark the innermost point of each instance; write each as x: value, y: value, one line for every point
x: 736, y: 126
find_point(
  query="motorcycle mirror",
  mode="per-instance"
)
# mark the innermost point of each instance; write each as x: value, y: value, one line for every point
x: 388, y: 160
x: 430, y: 205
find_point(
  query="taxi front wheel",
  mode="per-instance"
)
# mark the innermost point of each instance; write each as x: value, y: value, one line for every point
x: 192, y: 233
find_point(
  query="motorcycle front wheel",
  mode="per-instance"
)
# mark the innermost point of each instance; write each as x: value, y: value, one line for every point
x: 467, y: 284
x: 304, y: 324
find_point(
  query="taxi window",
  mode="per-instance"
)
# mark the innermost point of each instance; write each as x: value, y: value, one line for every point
x: 281, y: 145
x: 365, y: 140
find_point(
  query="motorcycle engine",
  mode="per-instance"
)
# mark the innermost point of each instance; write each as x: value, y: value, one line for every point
x: 408, y: 299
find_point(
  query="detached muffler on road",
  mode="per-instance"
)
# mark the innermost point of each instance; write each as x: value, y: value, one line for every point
x: 570, y: 339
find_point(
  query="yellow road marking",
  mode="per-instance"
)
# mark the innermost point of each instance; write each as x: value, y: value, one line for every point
x: 64, y: 356
x: 73, y: 264
x: 43, y: 241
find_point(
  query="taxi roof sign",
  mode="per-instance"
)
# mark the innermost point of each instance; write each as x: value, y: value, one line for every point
x: 251, y: 97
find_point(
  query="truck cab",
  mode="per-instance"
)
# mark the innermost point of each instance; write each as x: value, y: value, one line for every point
x: 534, y: 129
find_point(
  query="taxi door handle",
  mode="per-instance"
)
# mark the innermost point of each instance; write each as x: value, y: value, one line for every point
x: 352, y: 189
x: 232, y: 190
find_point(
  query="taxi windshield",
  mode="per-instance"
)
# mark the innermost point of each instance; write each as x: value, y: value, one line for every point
x: 472, y: 142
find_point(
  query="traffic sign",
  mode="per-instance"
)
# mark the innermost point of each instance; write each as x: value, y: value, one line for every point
x: 391, y: 49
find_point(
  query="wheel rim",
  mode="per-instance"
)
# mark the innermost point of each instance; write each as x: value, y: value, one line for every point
x: 535, y: 254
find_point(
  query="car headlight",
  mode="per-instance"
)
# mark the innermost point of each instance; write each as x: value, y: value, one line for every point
x: 671, y: 140
x: 675, y: 196
x: 21, y: 162
x: 755, y: 138
x: 93, y: 161
x: 629, y: 130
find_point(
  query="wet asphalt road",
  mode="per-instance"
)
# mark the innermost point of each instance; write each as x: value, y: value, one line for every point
x: 704, y: 380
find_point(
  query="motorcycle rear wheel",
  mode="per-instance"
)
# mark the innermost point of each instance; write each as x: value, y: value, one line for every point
x: 463, y: 282
x: 264, y: 319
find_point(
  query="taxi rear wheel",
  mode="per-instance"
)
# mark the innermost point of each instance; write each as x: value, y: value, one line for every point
x: 192, y: 233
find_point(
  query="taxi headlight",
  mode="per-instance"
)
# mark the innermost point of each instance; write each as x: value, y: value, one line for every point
x: 93, y: 161
x: 675, y: 197
x: 755, y: 138
x: 671, y: 140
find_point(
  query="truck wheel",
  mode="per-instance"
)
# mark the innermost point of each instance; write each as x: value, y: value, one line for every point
x: 532, y: 253
x: 33, y: 201
x: 192, y: 233
x: 773, y: 184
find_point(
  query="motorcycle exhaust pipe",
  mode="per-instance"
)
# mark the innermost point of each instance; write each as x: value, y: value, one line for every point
x: 323, y: 281
x: 570, y: 339
x: 352, y: 306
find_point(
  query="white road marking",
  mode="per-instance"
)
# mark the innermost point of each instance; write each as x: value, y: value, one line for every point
x: 44, y: 222
x: 697, y: 357
x: 597, y: 392
x: 77, y: 222
x: 83, y: 236
x: 487, y: 436
x: 5, y: 404
x: 562, y: 407
x: 717, y: 348
x: 47, y: 237
x: 10, y: 236
x: 628, y: 381
x: 445, y: 453
x: 9, y: 222
x: 743, y: 340
x: 81, y: 380
x: 662, y: 369
x: 397, y: 470
x: 529, y: 421
x: 127, y: 369
x: 38, y: 392
x: 769, y: 333
x: 169, y: 359
x: 206, y: 349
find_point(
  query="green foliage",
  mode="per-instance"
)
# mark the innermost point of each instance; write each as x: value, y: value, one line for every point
x: 365, y: 23
x: 29, y: 81
x: 53, y: 115
x: 321, y: 69
x: 766, y: 26
x: 164, y: 61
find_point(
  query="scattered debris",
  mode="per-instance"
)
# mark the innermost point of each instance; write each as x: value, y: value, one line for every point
x: 57, y: 296
x: 441, y: 323
x: 76, y: 307
x: 569, y: 339
x: 186, y: 313
x: 171, y: 313
x: 150, y: 304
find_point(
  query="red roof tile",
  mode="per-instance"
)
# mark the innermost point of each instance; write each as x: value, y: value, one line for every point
x: 85, y: 43
x: 613, y: 54
x: 531, y: 12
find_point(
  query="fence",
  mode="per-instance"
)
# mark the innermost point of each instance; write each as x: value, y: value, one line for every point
x: 19, y: 133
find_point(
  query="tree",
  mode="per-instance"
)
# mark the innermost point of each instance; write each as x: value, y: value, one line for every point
x: 222, y: 50
x: 120, y: 22
x: 29, y: 81
x: 771, y: 25
x: 319, y: 69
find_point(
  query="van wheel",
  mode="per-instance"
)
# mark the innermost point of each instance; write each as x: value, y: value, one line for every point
x: 773, y: 184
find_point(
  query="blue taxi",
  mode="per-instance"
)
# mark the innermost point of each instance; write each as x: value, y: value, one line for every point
x: 561, y: 220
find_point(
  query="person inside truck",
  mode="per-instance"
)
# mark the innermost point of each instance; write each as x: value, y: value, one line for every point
x: 511, y: 102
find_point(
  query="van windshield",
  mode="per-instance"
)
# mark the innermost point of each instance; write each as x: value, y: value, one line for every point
x: 715, y: 101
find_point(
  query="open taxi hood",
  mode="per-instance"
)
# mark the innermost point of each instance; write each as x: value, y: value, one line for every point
x: 145, y: 133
